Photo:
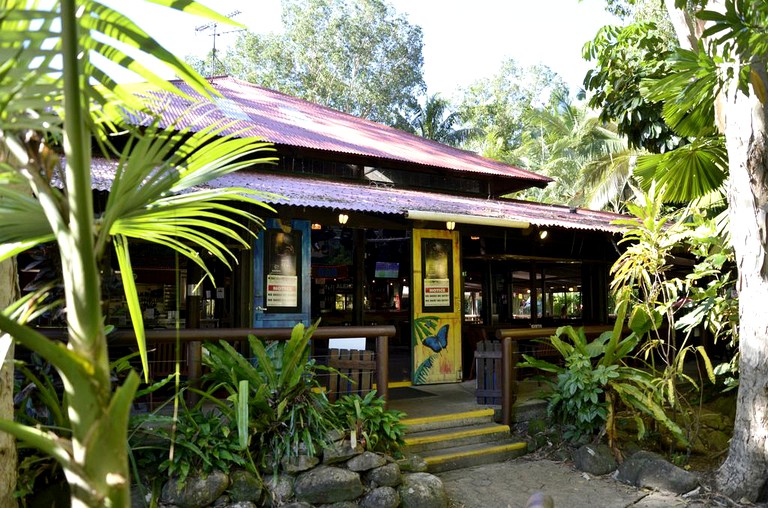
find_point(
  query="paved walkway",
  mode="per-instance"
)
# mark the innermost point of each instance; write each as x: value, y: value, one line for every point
x: 509, y: 484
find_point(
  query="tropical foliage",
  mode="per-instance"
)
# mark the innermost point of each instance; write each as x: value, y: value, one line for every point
x: 288, y: 414
x: 594, y: 387
x: 56, y: 98
x: 370, y: 423
x: 590, y: 163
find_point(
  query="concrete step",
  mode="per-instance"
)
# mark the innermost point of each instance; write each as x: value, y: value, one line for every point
x: 437, y: 439
x: 414, y: 425
x: 472, y: 455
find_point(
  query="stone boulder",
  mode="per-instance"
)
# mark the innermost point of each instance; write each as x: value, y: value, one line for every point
x: 326, y: 484
x: 244, y: 486
x: 365, y: 461
x: 340, y: 452
x: 387, y: 475
x: 650, y: 470
x: 299, y: 464
x: 381, y: 497
x: 195, y: 491
x: 422, y: 490
x: 595, y: 459
x: 413, y: 464
x: 279, y: 489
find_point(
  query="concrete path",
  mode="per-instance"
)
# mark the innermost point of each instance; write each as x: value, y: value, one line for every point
x: 509, y: 484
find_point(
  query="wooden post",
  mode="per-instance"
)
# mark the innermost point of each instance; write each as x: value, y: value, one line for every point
x: 382, y: 367
x: 508, y: 378
x: 194, y: 348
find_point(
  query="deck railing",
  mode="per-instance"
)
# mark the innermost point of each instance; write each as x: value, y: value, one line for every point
x: 194, y: 338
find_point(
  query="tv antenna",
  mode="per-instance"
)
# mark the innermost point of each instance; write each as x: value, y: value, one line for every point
x: 214, y: 26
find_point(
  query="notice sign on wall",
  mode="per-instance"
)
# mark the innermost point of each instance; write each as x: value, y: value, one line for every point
x: 437, y: 267
x: 282, y: 281
x: 282, y: 290
x: 437, y: 292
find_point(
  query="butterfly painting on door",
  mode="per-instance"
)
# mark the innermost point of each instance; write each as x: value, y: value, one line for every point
x: 433, y: 339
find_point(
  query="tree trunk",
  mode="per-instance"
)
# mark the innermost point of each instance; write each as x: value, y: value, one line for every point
x: 743, y: 474
x: 9, y: 292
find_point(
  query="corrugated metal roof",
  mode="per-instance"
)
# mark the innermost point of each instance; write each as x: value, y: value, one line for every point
x: 318, y: 193
x: 285, y: 120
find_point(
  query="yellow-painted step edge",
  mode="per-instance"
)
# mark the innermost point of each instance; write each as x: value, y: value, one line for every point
x: 420, y: 440
x: 439, y: 459
x: 448, y: 417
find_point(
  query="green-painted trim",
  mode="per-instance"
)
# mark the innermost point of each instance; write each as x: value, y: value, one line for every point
x: 448, y: 417
x: 460, y: 434
x: 439, y: 459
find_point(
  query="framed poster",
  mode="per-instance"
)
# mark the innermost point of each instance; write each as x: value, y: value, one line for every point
x: 437, y: 271
x: 282, y: 277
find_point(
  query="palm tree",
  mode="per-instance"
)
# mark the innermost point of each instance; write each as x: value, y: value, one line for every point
x: 55, y: 99
x: 587, y: 158
x: 437, y: 122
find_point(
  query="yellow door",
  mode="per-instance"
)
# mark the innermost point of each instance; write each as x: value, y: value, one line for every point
x: 436, y: 302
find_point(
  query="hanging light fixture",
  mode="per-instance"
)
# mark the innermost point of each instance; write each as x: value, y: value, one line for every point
x: 543, y: 234
x: 343, y: 218
x: 450, y: 225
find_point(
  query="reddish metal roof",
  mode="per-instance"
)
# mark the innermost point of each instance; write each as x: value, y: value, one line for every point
x: 284, y: 120
x: 318, y: 193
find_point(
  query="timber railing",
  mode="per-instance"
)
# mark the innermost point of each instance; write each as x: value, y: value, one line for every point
x: 509, y: 338
x: 194, y: 338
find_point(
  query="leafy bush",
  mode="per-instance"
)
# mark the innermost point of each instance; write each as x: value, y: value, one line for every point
x: 377, y: 428
x: 289, y: 414
x: 197, y: 441
x: 595, y: 383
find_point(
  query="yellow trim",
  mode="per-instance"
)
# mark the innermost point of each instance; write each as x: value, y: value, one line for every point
x: 448, y: 417
x: 397, y: 384
x: 456, y: 435
x: 438, y: 459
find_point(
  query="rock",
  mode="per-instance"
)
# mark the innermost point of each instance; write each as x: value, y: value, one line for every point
x: 340, y: 504
x: 715, y: 421
x: 365, y: 461
x: 381, y: 497
x: 296, y: 504
x: 387, y: 475
x: 279, y: 489
x: 412, y: 463
x: 340, y: 452
x: 595, y: 459
x: 244, y: 486
x: 650, y: 470
x: 422, y: 490
x: 298, y: 464
x: 196, y: 491
x: 224, y: 500
x: 540, y: 500
x: 241, y: 504
x: 326, y: 484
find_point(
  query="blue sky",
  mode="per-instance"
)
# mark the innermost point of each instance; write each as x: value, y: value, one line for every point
x: 463, y: 41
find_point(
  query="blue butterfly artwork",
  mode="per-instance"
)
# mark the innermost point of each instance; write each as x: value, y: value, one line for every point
x: 439, y: 341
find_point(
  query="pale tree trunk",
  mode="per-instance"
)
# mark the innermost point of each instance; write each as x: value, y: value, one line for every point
x: 9, y: 292
x: 742, y: 118
x: 743, y: 474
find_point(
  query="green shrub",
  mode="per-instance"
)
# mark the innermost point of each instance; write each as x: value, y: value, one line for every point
x: 595, y: 384
x: 287, y: 413
x: 368, y: 421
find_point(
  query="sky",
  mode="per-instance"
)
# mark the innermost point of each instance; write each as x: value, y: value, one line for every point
x: 463, y: 41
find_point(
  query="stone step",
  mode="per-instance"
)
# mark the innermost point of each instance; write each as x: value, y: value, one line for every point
x: 414, y: 425
x: 437, y: 439
x: 472, y: 455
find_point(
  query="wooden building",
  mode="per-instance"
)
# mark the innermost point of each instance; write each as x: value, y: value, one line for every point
x: 377, y: 226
